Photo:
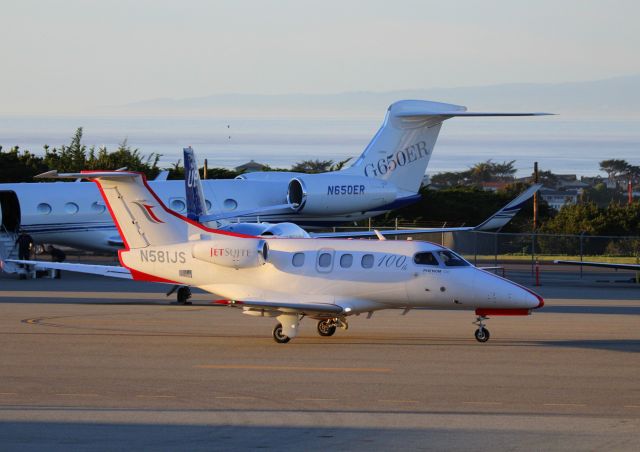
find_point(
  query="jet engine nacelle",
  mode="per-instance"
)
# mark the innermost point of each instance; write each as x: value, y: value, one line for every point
x: 338, y: 194
x: 286, y: 230
x: 234, y: 253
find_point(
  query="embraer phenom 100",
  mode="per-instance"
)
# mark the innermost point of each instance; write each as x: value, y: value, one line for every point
x: 328, y: 280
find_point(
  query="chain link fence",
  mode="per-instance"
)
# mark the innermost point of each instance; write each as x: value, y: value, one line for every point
x: 499, y: 249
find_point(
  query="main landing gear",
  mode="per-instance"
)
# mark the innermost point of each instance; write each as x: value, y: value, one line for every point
x: 287, y: 328
x: 183, y: 295
x: 328, y: 327
x: 279, y: 336
x: 482, y: 334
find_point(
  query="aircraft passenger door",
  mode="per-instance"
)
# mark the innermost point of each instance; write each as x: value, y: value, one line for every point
x: 9, y: 211
x: 324, y: 260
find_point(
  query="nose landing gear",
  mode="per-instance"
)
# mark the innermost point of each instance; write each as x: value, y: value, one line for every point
x: 482, y: 334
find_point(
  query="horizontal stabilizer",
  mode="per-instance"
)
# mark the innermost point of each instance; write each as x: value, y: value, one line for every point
x: 53, y: 174
x: 452, y: 114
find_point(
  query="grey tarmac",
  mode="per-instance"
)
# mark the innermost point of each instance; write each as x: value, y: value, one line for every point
x: 105, y: 364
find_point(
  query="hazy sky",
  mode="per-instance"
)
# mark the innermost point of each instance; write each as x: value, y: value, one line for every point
x: 74, y: 55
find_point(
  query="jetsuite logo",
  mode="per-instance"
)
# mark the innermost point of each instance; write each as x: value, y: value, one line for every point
x: 147, y: 211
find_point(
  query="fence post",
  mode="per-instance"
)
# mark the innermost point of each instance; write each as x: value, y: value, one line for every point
x: 475, y: 248
x: 533, y: 252
x: 495, y: 250
x: 581, y: 251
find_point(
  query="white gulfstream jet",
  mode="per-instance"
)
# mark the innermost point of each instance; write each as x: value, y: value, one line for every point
x: 196, y: 210
x: 326, y: 279
x: 386, y: 176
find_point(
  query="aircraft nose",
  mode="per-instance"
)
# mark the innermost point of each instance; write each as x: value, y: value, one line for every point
x: 508, y: 294
x: 530, y: 299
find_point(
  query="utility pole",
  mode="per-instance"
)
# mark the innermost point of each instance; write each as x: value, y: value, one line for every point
x: 630, y: 192
x: 535, y: 197
x: 534, y: 267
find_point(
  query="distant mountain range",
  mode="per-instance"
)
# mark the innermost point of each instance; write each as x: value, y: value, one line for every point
x: 613, y: 97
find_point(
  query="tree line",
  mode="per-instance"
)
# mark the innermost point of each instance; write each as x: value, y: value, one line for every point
x: 462, y: 202
x: 18, y: 165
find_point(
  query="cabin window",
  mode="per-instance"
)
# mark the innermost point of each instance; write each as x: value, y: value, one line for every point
x: 324, y: 261
x: 177, y: 204
x: 71, y: 208
x: 298, y: 260
x: 451, y: 259
x: 207, y: 203
x: 98, y: 207
x: 367, y: 261
x: 44, y: 208
x: 425, y: 259
x: 229, y: 204
x: 346, y: 260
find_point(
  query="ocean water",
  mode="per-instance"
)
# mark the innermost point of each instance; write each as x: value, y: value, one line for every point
x: 560, y: 144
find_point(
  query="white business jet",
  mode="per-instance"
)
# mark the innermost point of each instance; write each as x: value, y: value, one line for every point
x: 386, y: 176
x: 291, y: 278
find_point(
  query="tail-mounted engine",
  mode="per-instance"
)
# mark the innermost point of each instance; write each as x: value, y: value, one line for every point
x: 338, y: 193
x: 233, y: 253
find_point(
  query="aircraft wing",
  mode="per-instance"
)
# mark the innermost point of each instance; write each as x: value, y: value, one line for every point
x: 391, y: 232
x: 632, y: 267
x: 496, y: 221
x: 111, y: 271
x: 284, y: 306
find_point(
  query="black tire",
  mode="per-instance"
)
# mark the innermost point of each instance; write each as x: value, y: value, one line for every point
x: 325, y: 329
x: 184, y: 293
x: 279, y: 336
x: 482, y: 335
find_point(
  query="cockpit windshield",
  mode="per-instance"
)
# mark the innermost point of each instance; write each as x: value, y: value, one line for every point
x: 451, y: 259
x: 425, y: 258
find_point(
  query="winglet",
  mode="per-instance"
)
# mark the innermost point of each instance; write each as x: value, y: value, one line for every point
x: 499, y: 219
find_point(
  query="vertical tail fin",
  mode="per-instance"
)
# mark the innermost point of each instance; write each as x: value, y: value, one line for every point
x: 140, y: 216
x: 401, y: 150
x: 196, y: 207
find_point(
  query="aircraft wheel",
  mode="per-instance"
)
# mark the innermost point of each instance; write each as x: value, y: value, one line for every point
x: 482, y: 335
x: 184, y: 293
x: 279, y: 336
x: 326, y: 328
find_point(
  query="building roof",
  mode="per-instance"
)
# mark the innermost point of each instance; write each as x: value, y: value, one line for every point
x: 251, y: 166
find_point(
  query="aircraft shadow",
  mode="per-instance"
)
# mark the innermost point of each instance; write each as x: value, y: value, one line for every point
x: 616, y: 345
x: 612, y: 310
x: 53, y: 436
